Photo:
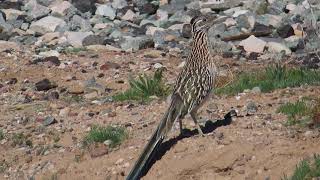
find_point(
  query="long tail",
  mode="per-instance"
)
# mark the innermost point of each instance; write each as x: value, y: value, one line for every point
x: 158, y: 136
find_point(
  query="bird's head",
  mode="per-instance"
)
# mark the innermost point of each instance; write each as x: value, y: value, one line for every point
x: 204, y: 22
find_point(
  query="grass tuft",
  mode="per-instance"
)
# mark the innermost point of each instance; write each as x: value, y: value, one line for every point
x: 273, y: 77
x: 306, y: 169
x: 297, y: 112
x: 143, y: 87
x: 100, y: 134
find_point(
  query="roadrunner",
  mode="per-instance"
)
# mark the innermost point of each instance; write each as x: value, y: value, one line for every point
x: 192, y: 88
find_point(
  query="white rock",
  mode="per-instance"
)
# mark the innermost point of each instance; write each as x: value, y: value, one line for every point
x: 230, y: 22
x: 49, y: 53
x: 151, y: 30
x: 162, y: 15
x: 240, y: 12
x: 278, y: 47
x: 75, y: 38
x: 129, y: 16
x: 12, y: 14
x: 61, y: 8
x: 106, y: 11
x: 253, y: 44
x: 48, y: 24
x: 291, y: 7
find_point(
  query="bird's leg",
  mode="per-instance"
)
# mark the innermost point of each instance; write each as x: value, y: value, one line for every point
x: 181, y: 126
x: 194, y: 118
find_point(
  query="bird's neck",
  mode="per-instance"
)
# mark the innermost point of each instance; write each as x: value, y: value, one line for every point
x: 200, y: 46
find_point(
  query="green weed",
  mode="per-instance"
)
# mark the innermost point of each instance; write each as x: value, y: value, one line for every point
x: 273, y: 77
x: 143, y: 87
x: 100, y: 134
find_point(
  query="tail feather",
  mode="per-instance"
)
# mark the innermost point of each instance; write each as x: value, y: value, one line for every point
x: 173, y: 112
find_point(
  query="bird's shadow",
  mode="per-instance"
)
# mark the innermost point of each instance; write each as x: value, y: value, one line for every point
x: 209, y: 127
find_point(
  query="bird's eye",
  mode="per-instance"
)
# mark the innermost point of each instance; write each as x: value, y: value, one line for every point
x: 204, y: 20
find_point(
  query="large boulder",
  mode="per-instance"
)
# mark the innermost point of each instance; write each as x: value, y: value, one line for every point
x: 48, y: 24
x: 61, y: 9
x: 35, y: 10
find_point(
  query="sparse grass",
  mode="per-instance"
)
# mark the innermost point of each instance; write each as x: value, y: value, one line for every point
x: 3, y: 166
x: 302, y: 112
x: 20, y: 139
x: 100, y: 134
x: 143, y: 87
x: 306, y: 170
x: 273, y: 77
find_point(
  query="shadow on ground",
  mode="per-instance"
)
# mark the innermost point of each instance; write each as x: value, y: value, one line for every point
x: 209, y: 127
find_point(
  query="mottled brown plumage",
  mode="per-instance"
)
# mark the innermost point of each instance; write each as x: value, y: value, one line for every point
x: 192, y: 88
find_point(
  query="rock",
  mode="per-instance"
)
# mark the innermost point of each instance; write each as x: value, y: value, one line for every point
x: 50, y: 59
x: 44, y: 85
x: 253, y: 44
x: 151, y: 30
x: 256, y: 90
x: 85, y: 6
x: 109, y: 65
x: 49, y: 53
x: 269, y: 19
x: 148, y: 8
x: 129, y: 16
x: 98, y: 151
x: 278, y: 47
x: 12, y: 14
x: 180, y: 16
x: 6, y: 45
x: 251, y: 108
x: 24, y: 26
x: 64, y: 112
x: 49, y: 120
x: 62, y: 9
x: 294, y: 43
x: 246, y: 21
x: 119, y: 4
x: 90, y: 96
x: 106, y: 11
x: 230, y: 22
x: 4, y: 26
x: 76, y: 38
x: 53, y: 95
x: 219, y: 4
x: 135, y: 43
x: 162, y: 15
x: 119, y: 161
x: 93, y: 40
x: 35, y: 10
x: 186, y: 31
x: 298, y: 30
x: 48, y: 24
x: 285, y: 31
x: 112, y: 48
x: 77, y: 23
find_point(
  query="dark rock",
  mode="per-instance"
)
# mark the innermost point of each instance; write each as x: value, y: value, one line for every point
x: 51, y: 59
x: 53, y: 95
x: 148, y: 9
x: 12, y: 81
x: 186, y: 31
x: 44, y: 85
x: 85, y: 6
x: 11, y: 5
x: 78, y: 23
x: 49, y: 120
x: 311, y: 61
x: 285, y: 31
x: 93, y: 40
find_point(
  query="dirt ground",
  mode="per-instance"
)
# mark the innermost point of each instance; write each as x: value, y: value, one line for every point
x: 258, y: 146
